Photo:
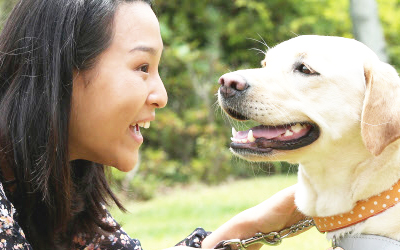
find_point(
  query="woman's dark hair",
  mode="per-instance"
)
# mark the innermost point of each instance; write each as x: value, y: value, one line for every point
x: 41, y: 44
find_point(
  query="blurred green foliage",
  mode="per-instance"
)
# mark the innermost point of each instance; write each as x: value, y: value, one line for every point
x: 204, y: 39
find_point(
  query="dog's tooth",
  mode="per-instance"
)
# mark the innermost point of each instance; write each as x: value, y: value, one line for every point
x: 141, y: 124
x: 147, y: 125
x: 288, y: 133
x: 234, y: 132
x: 297, y: 128
x: 250, y: 136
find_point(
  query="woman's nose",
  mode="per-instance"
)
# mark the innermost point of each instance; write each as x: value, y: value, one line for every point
x: 158, y: 96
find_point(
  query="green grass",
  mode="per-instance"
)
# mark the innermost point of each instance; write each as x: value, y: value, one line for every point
x: 166, y: 219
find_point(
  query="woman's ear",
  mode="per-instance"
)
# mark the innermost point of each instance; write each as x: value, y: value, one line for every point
x: 380, y: 122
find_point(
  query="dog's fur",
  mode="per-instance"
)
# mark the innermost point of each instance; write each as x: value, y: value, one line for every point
x: 355, y: 102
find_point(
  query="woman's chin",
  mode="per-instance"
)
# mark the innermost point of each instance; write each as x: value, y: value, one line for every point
x: 125, y: 169
x: 127, y: 165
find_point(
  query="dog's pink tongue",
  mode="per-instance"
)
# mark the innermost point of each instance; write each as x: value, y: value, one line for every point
x: 262, y: 131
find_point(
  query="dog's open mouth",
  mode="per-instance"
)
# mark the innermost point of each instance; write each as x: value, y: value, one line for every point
x: 264, y: 139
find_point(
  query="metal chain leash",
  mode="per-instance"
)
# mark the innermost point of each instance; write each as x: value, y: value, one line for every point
x: 270, y: 239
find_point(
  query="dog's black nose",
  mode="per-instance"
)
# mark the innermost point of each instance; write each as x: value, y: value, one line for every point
x: 231, y: 84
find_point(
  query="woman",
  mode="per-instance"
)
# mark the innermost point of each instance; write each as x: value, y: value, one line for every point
x: 78, y: 78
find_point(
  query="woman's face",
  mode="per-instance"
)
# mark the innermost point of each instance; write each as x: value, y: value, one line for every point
x: 120, y: 94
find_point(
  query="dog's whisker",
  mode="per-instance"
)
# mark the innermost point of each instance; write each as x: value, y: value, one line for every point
x: 264, y: 42
x: 373, y: 125
x: 294, y: 33
x: 259, y: 51
x: 282, y: 111
x: 215, y: 105
x: 261, y: 42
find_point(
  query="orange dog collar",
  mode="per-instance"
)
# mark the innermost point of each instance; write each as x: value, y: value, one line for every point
x: 363, y: 210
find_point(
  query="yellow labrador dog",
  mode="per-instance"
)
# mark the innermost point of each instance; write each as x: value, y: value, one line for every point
x: 331, y: 105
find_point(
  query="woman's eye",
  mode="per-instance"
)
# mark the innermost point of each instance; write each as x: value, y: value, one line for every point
x: 306, y: 70
x: 144, y: 68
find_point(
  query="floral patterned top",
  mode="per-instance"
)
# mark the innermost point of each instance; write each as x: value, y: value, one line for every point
x: 12, y: 237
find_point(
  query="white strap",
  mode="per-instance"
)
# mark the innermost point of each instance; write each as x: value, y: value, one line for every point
x: 367, y: 242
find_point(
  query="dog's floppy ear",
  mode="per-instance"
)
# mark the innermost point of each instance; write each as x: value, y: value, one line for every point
x: 380, y: 122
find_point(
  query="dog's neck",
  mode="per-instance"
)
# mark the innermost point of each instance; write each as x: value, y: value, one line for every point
x: 331, y: 183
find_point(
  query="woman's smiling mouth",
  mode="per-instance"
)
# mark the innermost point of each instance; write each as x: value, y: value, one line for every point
x: 135, y: 130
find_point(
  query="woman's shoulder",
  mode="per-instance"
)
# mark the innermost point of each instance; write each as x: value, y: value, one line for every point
x: 7, y: 210
x: 11, y: 234
x: 13, y: 237
x: 113, y: 241
x: 2, y: 193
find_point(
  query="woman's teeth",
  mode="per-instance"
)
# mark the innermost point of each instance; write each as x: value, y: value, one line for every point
x: 144, y: 125
x: 137, y: 126
x: 137, y: 130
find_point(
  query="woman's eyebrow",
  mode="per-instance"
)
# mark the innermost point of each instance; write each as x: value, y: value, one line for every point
x: 143, y: 48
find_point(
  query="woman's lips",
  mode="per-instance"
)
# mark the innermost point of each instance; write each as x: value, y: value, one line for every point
x: 135, y: 132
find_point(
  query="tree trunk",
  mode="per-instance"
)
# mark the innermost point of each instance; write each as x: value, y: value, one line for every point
x: 367, y: 27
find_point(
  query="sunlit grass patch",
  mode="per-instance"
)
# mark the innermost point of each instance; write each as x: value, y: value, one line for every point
x: 165, y: 220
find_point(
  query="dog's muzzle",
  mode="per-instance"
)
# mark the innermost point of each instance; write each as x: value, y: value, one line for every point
x: 232, y: 93
x: 232, y: 85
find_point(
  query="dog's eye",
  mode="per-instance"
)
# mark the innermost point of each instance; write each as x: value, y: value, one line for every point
x: 306, y: 70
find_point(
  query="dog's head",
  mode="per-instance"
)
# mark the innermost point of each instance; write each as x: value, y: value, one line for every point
x: 313, y: 90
